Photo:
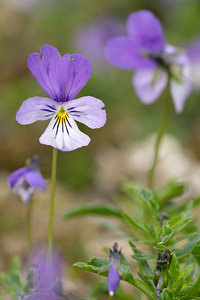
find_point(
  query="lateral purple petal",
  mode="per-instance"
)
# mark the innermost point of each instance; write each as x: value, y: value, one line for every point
x: 113, y: 279
x: 123, y: 52
x: 35, y: 109
x: 16, y: 175
x: 149, y: 85
x: 146, y: 31
x: 34, y: 179
x: 87, y: 110
x: 61, y: 77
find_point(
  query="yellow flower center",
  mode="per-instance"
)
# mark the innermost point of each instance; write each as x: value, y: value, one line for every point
x: 62, y: 116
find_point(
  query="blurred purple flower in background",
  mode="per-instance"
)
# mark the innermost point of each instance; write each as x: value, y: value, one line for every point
x: 91, y: 40
x: 26, y: 180
x: 62, y: 78
x: 193, y: 51
x: 44, y: 278
x: 114, y: 269
x: 155, y: 62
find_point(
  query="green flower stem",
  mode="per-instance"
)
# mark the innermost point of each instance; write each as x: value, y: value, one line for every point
x: 52, y: 201
x: 160, y: 135
x: 29, y: 217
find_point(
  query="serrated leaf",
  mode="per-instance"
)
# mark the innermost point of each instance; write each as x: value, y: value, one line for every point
x: 145, y: 195
x: 132, y: 223
x: 102, y: 210
x: 193, y: 290
x: 171, y: 190
x: 167, y: 295
x: 142, y: 263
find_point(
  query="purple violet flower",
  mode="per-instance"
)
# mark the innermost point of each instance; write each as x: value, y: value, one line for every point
x: 62, y: 78
x: 91, y: 39
x: 26, y: 180
x: 114, y: 269
x: 155, y: 62
x: 44, y: 278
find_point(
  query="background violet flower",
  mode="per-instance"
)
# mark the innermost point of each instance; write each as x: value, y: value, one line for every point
x: 155, y: 62
x: 114, y: 269
x: 62, y: 78
x: 26, y: 180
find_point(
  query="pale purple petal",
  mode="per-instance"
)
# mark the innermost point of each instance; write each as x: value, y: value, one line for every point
x: 123, y: 52
x: 87, y: 110
x: 36, y: 108
x: 180, y: 90
x: 24, y: 191
x: 35, y: 179
x: 193, y: 53
x: 113, y: 280
x: 16, y: 175
x: 65, y: 137
x: 145, y: 30
x: 149, y: 84
x: 61, y: 77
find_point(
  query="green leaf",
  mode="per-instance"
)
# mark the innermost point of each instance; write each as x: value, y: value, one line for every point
x: 102, y: 210
x: 193, y: 290
x: 145, y: 195
x: 141, y: 258
x: 173, y: 271
x: 187, y: 247
x: 132, y: 223
x: 171, y: 190
x: 168, y: 295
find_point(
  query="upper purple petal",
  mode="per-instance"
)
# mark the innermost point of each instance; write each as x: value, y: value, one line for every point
x: 16, y: 175
x: 61, y: 77
x: 35, y: 179
x: 146, y: 31
x: 113, y: 279
x: 123, y: 52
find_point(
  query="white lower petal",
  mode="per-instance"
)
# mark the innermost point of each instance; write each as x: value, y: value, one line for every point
x: 65, y: 137
x: 181, y: 90
x: 149, y: 84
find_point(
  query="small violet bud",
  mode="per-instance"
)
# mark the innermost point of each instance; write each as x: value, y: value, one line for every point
x: 114, y: 269
x: 26, y: 180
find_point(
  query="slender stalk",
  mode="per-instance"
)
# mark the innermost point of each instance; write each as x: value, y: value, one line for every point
x: 52, y: 201
x: 160, y: 135
x: 29, y: 216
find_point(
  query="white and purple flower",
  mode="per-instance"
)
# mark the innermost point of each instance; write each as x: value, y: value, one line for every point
x: 62, y: 78
x: 26, y: 180
x: 114, y: 269
x: 155, y: 62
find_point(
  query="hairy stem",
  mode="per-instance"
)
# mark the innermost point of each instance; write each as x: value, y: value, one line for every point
x: 161, y: 132
x: 29, y: 217
x: 52, y: 201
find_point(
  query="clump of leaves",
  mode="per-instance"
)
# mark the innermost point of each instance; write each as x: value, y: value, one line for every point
x: 166, y: 228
